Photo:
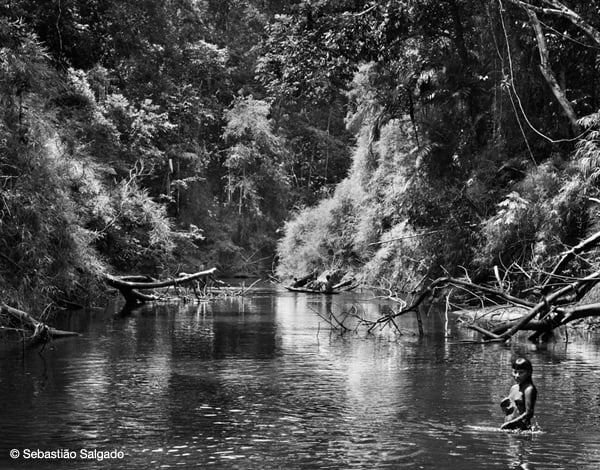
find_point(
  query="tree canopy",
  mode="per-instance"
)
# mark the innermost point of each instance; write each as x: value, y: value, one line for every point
x: 395, y: 139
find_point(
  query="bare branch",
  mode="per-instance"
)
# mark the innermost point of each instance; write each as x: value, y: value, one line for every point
x: 364, y: 12
x: 563, y: 11
x: 586, y: 244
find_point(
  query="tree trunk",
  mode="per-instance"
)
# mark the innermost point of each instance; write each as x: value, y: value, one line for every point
x: 546, y: 70
x: 131, y: 286
x: 563, y: 11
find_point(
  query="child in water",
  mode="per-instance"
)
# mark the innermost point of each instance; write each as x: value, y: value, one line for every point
x: 520, y: 403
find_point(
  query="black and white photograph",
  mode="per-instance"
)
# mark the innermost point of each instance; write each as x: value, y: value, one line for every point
x: 300, y: 234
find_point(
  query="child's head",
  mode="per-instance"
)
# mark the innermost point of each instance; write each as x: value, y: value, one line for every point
x: 522, y: 370
x: 520, y: 363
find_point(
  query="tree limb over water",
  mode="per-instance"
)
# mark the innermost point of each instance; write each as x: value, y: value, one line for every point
x: 131, y: 287
x: 138, y: 289
x: 33, y: 330
x: 552, y: 303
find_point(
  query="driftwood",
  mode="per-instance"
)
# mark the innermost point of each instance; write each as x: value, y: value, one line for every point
x: 36, y: 331
x: 303, y: 281
x: 304, y: 290
x: 557, y: 302
x: 349, y: 284
x: 335, y: 289
x: 131, y: 287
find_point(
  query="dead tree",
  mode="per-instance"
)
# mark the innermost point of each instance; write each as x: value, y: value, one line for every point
x: 32, y: 330
x: 132, y: 287
x: 556, y: 303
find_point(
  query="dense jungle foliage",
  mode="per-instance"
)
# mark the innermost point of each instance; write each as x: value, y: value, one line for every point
x: 392, y: 139
x: 477, y: 139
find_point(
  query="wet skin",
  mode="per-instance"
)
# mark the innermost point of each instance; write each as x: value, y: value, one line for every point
x: 519, y: 407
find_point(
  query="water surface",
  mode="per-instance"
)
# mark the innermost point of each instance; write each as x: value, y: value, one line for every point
x: 262, y: 382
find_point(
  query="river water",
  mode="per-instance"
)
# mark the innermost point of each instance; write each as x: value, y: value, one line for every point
x: 262, y: 382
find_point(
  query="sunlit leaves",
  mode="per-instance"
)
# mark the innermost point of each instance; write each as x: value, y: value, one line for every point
x: 255, y: 158
x: 249, y: 118
x: 23, y: 60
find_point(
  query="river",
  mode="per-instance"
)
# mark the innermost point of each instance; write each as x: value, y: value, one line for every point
x: 262, y: 382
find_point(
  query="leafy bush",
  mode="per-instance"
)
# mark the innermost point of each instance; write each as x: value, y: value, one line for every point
x: 138, y: 238
x: 345, y: 230
x: 45, y: 243
x: 532, y: 225
x: 59, y: 204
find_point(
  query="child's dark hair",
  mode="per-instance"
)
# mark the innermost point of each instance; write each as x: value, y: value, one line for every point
x: 520, y: 363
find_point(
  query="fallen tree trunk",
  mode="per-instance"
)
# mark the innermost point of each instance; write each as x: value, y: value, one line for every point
x: 543, y: 307
x: 559, y: 317
x: 304, y: 280
x: 131, y: 286
x: 39, y: 331
x: 442, y: 282
x: 549, y: 303
x: 556, y: 303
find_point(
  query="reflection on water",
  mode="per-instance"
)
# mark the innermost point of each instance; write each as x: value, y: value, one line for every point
x: 262, y: 382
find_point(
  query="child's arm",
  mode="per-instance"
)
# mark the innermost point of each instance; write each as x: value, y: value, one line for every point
x: 530, y: 397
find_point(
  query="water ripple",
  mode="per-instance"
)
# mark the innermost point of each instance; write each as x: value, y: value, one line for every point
x: 261, y: 385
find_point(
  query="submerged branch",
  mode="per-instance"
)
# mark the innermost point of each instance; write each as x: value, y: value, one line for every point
x: 39, y: 331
